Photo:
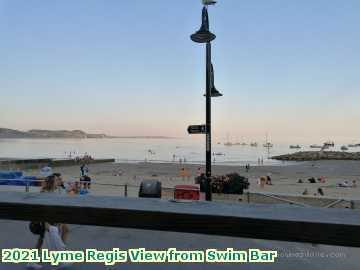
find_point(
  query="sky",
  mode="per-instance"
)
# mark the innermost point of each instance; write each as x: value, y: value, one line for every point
x: 289, y: 68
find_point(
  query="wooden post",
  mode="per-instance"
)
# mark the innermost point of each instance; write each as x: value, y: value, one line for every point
x: 126, y: 190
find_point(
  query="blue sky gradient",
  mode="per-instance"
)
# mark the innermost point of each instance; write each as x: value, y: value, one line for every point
x: 290, y: 68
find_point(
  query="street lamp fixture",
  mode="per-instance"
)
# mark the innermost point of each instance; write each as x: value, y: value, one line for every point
x: 203, y: 35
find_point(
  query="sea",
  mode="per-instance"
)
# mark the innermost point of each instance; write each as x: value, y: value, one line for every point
x: 133, y: 150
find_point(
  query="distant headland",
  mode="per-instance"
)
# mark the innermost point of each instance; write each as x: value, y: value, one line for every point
x: 6, y: 133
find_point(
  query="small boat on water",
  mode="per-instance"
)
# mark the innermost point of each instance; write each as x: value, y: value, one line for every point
x: 254, y: 144
x: 315, y: 146
x: 344, y: 148
x: 329, y: 144
x: 295, y: 146
x: 268, y: 145
x: 228, y: 143
x: 218, y: 154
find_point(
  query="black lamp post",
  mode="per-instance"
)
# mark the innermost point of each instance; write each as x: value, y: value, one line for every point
x: 205, y: 36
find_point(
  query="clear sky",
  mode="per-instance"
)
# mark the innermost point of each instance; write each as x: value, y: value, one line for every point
x: 287, y: 67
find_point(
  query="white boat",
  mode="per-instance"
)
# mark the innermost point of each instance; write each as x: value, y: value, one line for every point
x: 295, y: 147
x: 267, y: 144
x: 315, y: 146
x: 329, y: 144
x: 228, y: 143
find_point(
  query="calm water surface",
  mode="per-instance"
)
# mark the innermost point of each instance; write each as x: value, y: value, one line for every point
x: 132, y: 150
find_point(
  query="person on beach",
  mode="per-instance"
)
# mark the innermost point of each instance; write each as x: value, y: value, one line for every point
x: 86, y: 182
x: 263, y: 180
x: 45, y: 171
x: 184, y: 173
x: 199, y: 172
x: 83, y: 170
x: 74, y: 188
x: 312, y: 180
x: 268, y: 179
x: 320, y: 191
x: 321, y: 179
x: 60, y: 184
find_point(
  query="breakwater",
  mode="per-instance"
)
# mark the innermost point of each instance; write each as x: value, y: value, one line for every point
x: 38, y: 163
x: 318, y: 155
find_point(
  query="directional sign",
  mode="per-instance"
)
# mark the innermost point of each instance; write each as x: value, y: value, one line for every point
x: 197, y: 129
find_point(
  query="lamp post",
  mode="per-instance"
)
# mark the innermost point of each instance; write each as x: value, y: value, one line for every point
x: 205, y: 36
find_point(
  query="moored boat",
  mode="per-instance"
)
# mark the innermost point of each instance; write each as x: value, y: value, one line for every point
x: 295, y: 146
x: 315, y: 146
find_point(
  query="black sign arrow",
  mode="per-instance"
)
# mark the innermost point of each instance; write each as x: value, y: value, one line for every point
x: 197, y: 129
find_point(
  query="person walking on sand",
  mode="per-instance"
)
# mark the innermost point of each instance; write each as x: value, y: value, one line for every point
x: 268, y: 179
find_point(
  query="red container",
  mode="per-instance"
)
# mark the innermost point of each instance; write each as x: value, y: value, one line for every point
x: 187, y: 192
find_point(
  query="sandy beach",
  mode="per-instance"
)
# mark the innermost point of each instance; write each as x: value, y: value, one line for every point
x: 284, y: 178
